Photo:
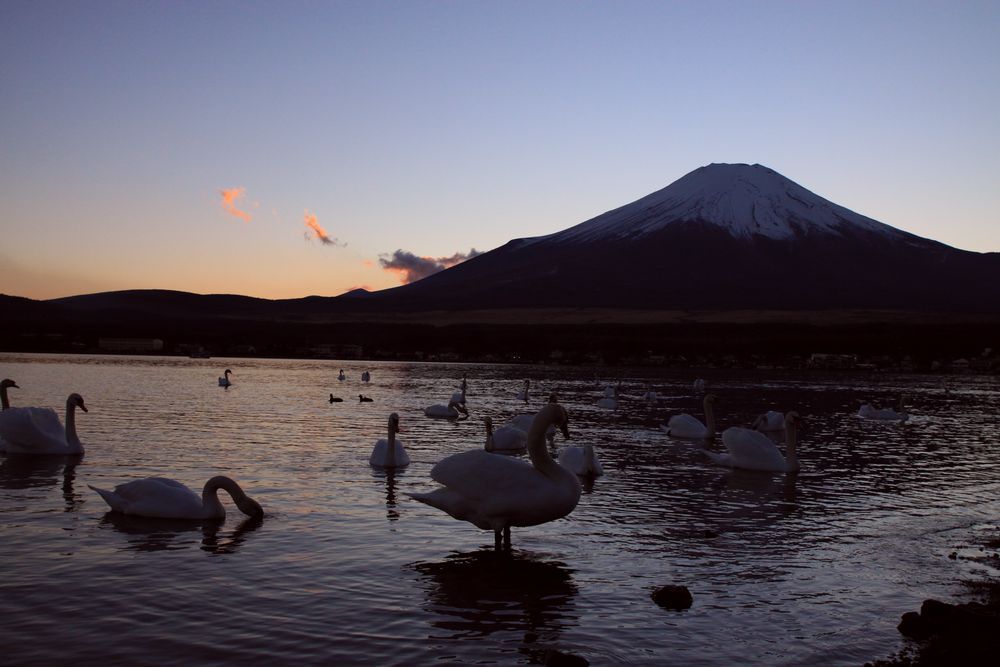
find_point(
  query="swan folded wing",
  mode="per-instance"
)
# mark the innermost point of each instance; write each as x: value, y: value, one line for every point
x: 752, y: 450
x: 155, y: 497
x: 508, y: 437
x: 380, y: 453
x: 27, y: 429
x: 686, y: 426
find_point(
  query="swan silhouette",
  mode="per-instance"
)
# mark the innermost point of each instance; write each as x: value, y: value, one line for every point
x: 505, y: 438
x: 390, y: 453
x: 341, y: 377
x: 523, y: 394
x: 581, y: 461
x: 650, y: 396
x: 453, y: 410
x: 224, y: 380
x: 458, y: 397
x: 867, y: 411
x: 772, y: 420
x: 335, y: 400
x: 699, y: 386
x: 495, y: 492
x: 163, y: 498
x: 39, y: 431
x: 4, y: 385
x: 364, y: 399
x: 610, y: 402
x: 686, y: 426
x: 752, y: 450
x: 366, y: 377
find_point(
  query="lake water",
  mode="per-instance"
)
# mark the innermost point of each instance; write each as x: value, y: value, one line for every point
x: 346, y: 569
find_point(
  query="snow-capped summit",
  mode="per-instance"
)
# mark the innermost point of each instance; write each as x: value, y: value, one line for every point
x: 725, y: 236
x: 745, y: 200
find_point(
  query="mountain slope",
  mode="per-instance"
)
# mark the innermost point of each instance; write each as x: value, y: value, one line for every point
x: 723, y: 236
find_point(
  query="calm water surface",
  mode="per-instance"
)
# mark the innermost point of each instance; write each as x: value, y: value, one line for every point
x: 344, y: 568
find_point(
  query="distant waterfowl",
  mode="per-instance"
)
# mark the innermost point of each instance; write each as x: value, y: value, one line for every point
x: 451, y: 411
x: 366, y: 377
x: 868, y: 411
x: 335, y: 400
x: 610, y: 402
x: 699, y: 386
x: 390, y: 453
x: 581, y: 461
x: 686, y: 426
x: 224, y: 380
x: 772, y: 420
x: 4, y: 385
x: 650, y: 396
x: 364, y: 399
x: 163, y: 498
x: 523, y: 394
x: 505, y: 438
x: 39, y: 431
x: 752, y: 450
x: 523, y: 423
x: 495, y: 492
x: 341, y: 377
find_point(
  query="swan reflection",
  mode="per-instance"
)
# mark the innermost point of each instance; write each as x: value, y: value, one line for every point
x: 19, y: 472
x: 146, y: 534
x: 389, y: 475
x: 482, y: 592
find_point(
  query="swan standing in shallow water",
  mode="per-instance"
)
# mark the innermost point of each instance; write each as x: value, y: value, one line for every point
x: 39, y: 431
x: 390, y: 453
x: 867, y: 411
x: 772, y: 420
x: 453, y: 410
x: 163, y: 498
x: 495, y: 492
x: 505, y: 438
x: 224, y: 380
x: 752, y: 450
x: 581, y: 461
x: 686, y: 426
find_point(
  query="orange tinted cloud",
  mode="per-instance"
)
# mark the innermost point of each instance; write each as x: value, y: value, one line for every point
x: 412, y: 268
x: 320, y: 234
x: 229, y: 197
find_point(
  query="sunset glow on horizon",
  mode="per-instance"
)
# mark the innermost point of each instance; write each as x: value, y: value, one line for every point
x: 281, y: 154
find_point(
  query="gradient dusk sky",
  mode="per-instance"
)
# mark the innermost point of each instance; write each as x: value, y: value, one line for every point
x: 281, y: 149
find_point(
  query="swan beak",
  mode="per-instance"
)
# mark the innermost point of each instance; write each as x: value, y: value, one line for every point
x: 251, y: 508
x: 83, y: 407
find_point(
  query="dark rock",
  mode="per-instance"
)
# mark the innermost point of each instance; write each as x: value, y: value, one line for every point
x: 913, y: 626
x: 673, y: 597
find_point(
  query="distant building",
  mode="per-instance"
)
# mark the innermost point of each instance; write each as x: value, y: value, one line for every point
x: 130, y: 344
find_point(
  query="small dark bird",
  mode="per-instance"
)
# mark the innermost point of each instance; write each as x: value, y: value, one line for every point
x: 364, y: 399
x: 335, y: 400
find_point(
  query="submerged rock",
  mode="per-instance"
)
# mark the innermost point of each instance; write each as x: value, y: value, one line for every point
x: 673, y: 597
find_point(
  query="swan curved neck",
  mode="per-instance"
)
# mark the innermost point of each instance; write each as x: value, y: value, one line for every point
x: 213, y: 507
x: 537, y: 451
x: 71, y: 436
x: 390, y: 450
x: 791, y: 458
x: 4, y: 401
x: 709, y: 419
x: 490, y: 445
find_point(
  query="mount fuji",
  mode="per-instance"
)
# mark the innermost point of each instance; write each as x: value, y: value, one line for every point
x: 725, y: 236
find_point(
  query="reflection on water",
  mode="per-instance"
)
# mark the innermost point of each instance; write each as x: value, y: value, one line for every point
x: 805, y: 568
x: 151, y: 535
x: 479, y: 593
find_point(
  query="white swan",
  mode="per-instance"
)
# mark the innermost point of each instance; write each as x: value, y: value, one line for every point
x: 752, y: 450
x: 390, y: 453
x: 772, y: 420
x: 610, y: 400
x: 224, y: 380
x: 867, y: 411
x: 459, y: 397
x: 341, y: 377
x: 699, y: 386
x: 495, y: 492
x: 366, y: 377
x: 581, y: 461
x: 163, y: 498
x: 451, y: 411
x: 523, y: 423
x: 650, y: 396
x: 39, y: 431
x: 523, y: 394
x: 686, y: 426
x: 505, y: 438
